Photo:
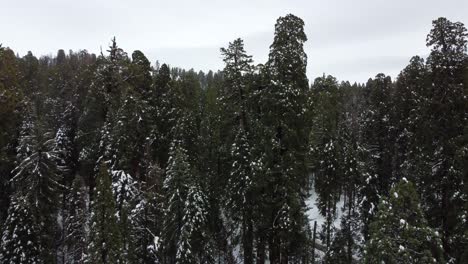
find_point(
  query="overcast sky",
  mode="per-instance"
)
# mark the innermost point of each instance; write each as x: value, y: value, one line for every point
x: 350, y: 39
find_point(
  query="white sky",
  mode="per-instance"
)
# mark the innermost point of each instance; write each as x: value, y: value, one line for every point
x: 350, y: 39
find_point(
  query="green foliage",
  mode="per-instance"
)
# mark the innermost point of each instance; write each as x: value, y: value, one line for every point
x: 105, y: 241
x: 283, y: 139
x: 186, y: 167
x: 10, y: 98
x: 76, y: 223
x: 21, y: 242
x: 400, y: 233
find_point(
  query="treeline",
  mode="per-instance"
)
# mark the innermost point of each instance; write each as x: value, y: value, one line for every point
x: 107, y: 159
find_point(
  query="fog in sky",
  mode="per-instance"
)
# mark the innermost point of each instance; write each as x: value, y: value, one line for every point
x: 350, y: 39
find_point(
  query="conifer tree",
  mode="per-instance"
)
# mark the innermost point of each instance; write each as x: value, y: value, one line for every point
x: 21, y: 241
x: 186, y: 238
x: 378, y: 143
x: 443, y: 185
x: 105, y: 242
x: 283, y: 117
x: 36, y: 177
x: 100, y: 114
x: 76, y: 221
x: 10, y: 98
x: 240, y: 201
x: 411, y: 121
x: 325, y: 150
x: 400, y: 233
x: 166, y: 113
x: 194, y: 245
x: 237, y: 68
x: 240, y: 183
x: 175, y: 188
x: 140, y: 73
x: 146, y: 219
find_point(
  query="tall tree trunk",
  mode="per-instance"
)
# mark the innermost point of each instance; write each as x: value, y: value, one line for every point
x: 248, y: 240
x: 261, y: 248
x: 313, y: 241
x: 274, y: 248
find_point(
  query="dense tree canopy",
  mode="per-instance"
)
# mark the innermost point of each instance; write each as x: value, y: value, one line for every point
x: 113, y: 159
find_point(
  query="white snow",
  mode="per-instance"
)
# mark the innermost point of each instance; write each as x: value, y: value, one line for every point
x: 313, y: 213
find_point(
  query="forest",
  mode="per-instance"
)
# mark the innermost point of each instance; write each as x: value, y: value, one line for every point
x: 109, y: 158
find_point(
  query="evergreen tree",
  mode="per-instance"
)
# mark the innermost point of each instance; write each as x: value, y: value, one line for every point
x: 284, y: 132
x: 236, y: 71
x: 411, y: 121
x: 36, y: 178
x: 214, y: 164
x: 105, y: 242
x: 240, y: 183
x: 10, y: 98
x: 400, y: 233
x: 194, y: 245
x: 443, y: 186
x: 175, y: 188
x: 21, y: 238
x: 146, y: 218
x: 166, y: 113
x: 240, y: 201
x: 140, y: 73
x: 100, y: 113
x: 76, y: 223
x: 325, y: 150
x: 186, y: 238
x: 378, y: 142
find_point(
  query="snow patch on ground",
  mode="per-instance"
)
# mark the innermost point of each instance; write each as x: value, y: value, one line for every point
x: 313, y: 213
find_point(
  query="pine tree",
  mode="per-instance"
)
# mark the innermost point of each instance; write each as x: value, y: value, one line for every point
x: 463, y: 156
x: 237, y: 68
x: 146, y: 219
x: 10, y: 98
x: 189, y: 95
x: 105, y: 242
x: 175, y: 188
x: 21, y: 237
x: 241, y: 183
x: 443, y: 185
x: 76, y: 223
x: 65, y: 148
x: 411, y: 121
x: 400, y: 233
x: 186, y: 238
x: 140, y: 73
x: 284, y: 137
x: 326, y: 149
x: 214, y: 164
x: 378, y: 143
x: 166, y: 113
x: 36, y: 178
x: 100, y: 113
x: 347, y: 243
x: 194, y: 244
x: 240, y: 202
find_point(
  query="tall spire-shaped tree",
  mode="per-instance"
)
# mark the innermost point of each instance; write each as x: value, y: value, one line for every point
x: 447, y: 112
x: 21, y: 242
x: 35, y: 177
x: 76, y: 223
x: 284, y: 137
x: 237, y: 72
x: 105, y: 242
